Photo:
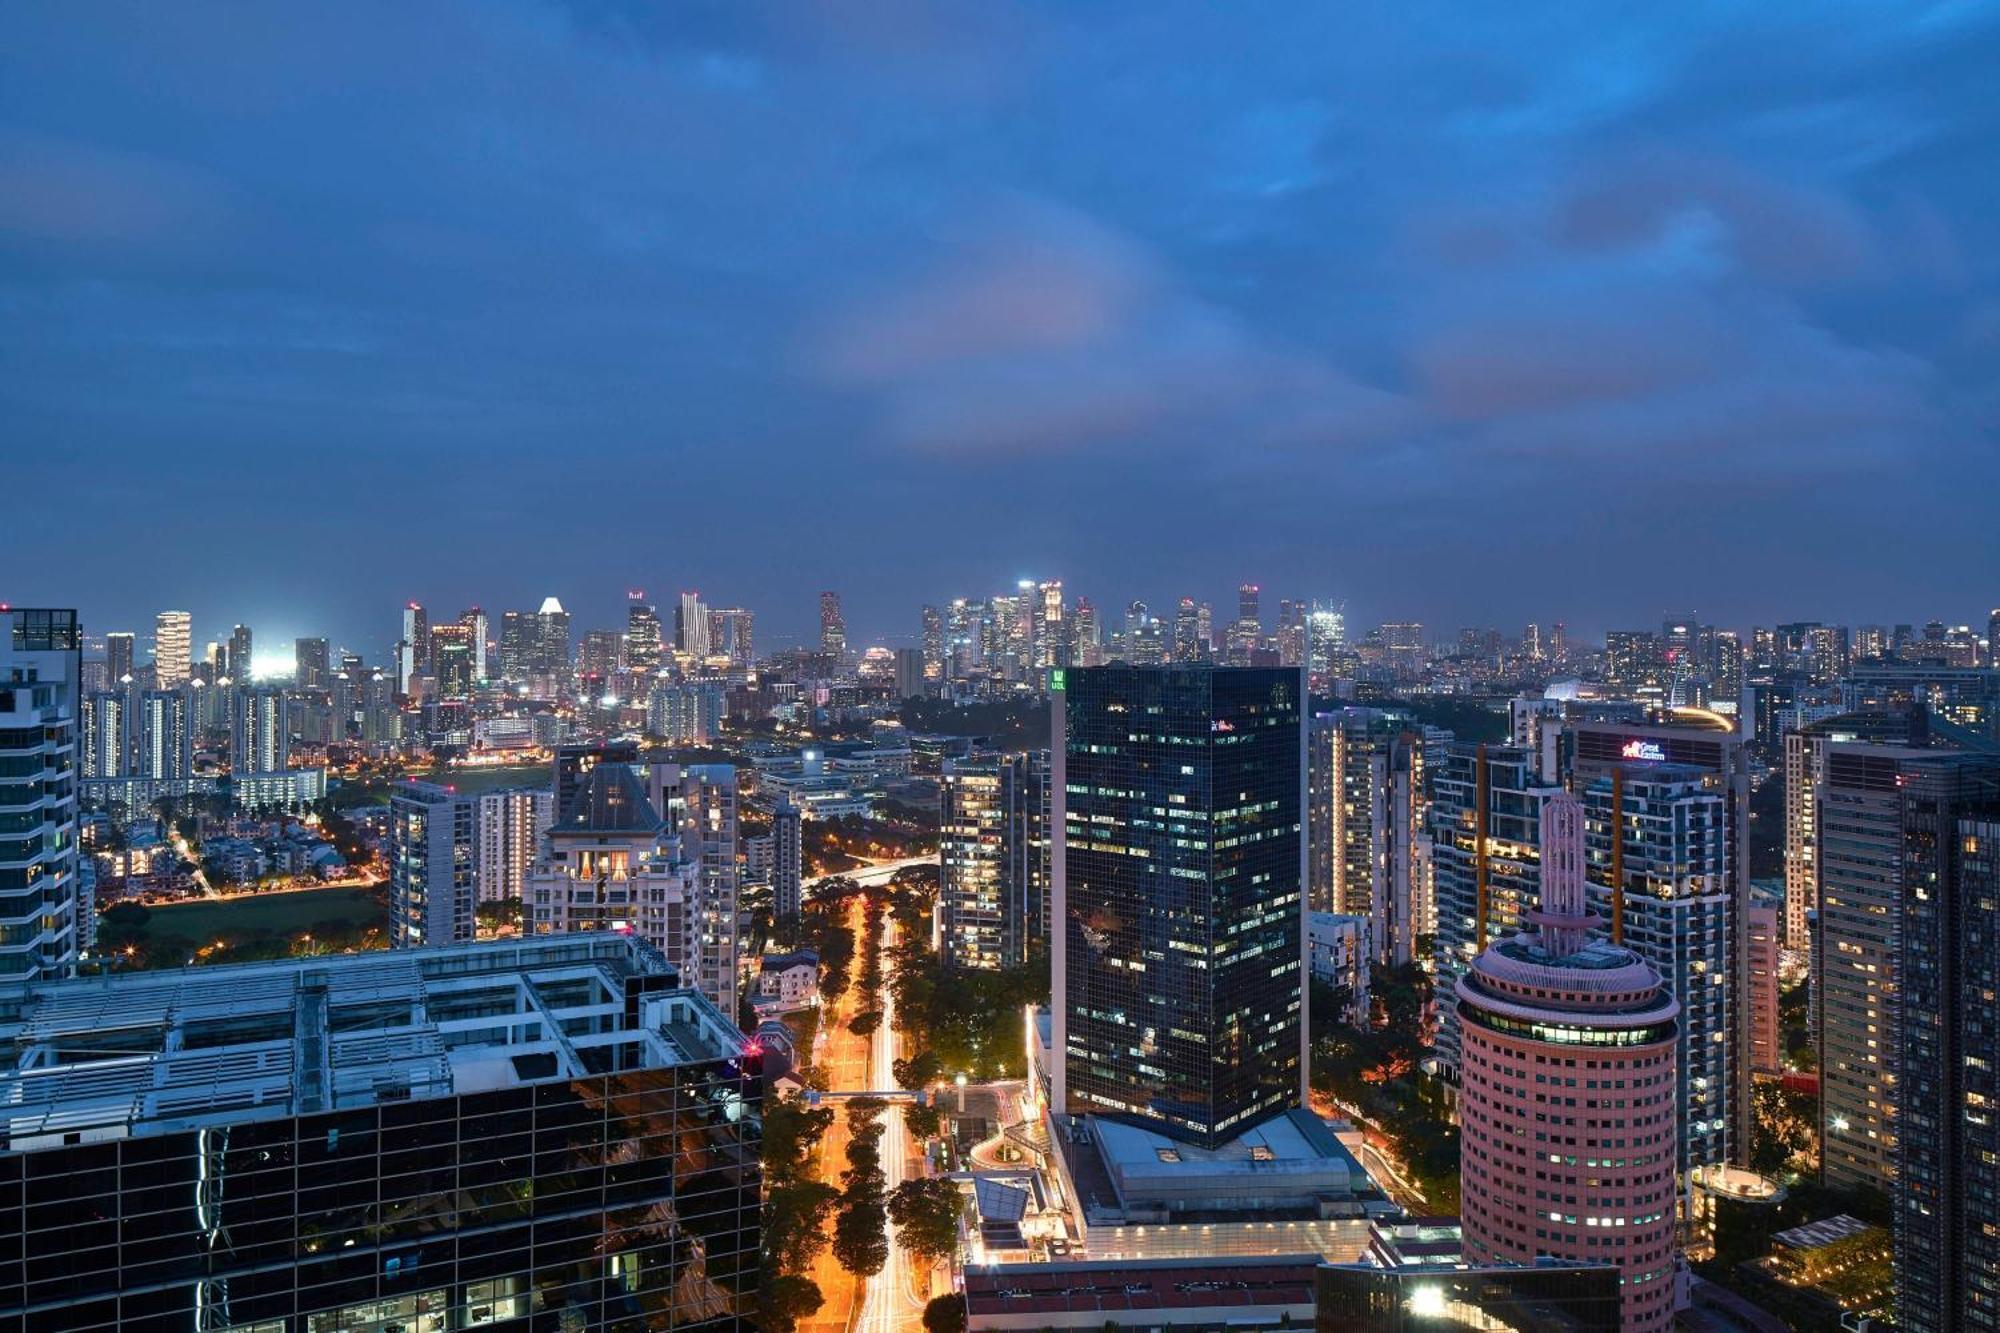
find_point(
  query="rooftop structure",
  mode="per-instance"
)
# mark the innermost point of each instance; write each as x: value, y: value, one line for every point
x: 145, y: 1053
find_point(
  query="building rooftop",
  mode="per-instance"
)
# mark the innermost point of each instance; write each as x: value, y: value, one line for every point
x: 612, y: 799
x: 144, y: 1053
x: 1140, y: 1290
x: 1826, y: 1231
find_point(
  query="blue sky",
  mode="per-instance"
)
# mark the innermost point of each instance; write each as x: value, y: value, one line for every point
x: 1473, y: 314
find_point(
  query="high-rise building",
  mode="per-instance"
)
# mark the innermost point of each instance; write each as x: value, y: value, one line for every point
x: 451, y: 661
x: 433, y: 846
x: 312, y: 664
x: 259, y: 737
x: 1366, y: 814
x: 41, y: 664
x: 1878, y: 804
x: 551, y: 660
x: 1763, y: 936
x: 413, y: 649
x: 910, y: 680
x: 165, y: 731
x: 933, y: 641
x: 1582, y: 1031
x: 1635, y: 661
x: 1086, y: 643
x: 1806, y: 748
x: 700, y: 802
x: 1714, y: 752
x: 1485, y: 857
x: 732, y: 634
x: 236, y: 661
x: 118, y: 658
x: 832, y: 626
x: 787, y: 859
x: 1326, y: 636
x: 691, y: 627
x: 1178, y: 926
x: 1246, y: 632
x: 687, y: 712
x: 1947, y: 1137
x: 493, y: 1135
x: 642, y: 634
x: 597, y: 659
x: 107, y: 741
x: 1658, y: 852
x: 511, y: 823
x: 1190, y: 638
x: 173, y: 649
x: 993, y: 859
x: 520, y: 646
x: 473, y: 621
x: 612, y: 862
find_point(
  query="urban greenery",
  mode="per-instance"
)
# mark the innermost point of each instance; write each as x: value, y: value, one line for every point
x: 861, y: 1229
x: 796, y: 1209
x: 926, y: 1212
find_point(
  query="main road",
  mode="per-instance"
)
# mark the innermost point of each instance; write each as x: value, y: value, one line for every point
x: 884, y: 1303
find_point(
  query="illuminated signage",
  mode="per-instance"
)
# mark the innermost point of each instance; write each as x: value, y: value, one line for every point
x: 1643, y: 750
x: 1056, y: 679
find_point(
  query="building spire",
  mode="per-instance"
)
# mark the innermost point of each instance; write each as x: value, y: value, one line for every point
x: 1564, y: 918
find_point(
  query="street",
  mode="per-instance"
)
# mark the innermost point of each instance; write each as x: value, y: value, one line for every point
x: 885, y: 1303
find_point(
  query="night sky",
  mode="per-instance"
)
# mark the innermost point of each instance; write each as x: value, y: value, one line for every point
x: 1469, y: 313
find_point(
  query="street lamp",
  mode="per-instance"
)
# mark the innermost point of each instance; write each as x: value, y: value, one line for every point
x: 960, y: 1080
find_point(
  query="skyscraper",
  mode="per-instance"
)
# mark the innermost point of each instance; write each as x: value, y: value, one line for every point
x: 520, y: 646
x: 1178, y: 805
x: 473, y: 621
x: 700, y: 802
x: 312, y: 664
x: 1367, y: 811
x: 933, y: 641
x: 259, y: 740
x: 993, y: 855
x: 1947, y: 1133
x: 173, y: 648
x: 732, y: 634
x: 494, y: 1135
x: 1485, y: 841
x: 433, y: 844
x: 118, y: 658
x: 552, y: 645
x: 413, y: 649
x: 165, y: 731
x: 787, y: 860
x: 691, y: 627
x: 642, y: 634
x: 1658, y: 852
x: 1890, y: 804
x: 41, y: 664
x: 236, y: 662
x: 1582, y: 1031
x: 511, y: 823
x: 832, y: 626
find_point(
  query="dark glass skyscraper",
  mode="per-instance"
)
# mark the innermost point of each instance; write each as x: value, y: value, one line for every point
x: 1948, y: 1123
x: 1179, y: 869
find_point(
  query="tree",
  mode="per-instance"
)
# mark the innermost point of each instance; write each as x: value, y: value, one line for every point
x: 945, y: 1314
x: 864, y: 1024
x: 926, y: 1213
x: 918, y: 1071
x: 787, y: 1299
x: 795, y: 1216
x: 923, y: 1122
x: 861, y: 1238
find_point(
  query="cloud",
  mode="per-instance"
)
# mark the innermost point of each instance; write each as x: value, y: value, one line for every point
x: 56, y: 189
x: 1041, y: 329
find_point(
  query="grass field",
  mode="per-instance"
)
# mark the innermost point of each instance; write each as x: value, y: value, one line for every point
x: 279, y: 913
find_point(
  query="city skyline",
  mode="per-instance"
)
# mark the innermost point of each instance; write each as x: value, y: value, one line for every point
x: 1317, y: 318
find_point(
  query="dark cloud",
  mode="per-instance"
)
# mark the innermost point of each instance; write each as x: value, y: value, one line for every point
x: 1362, y: 303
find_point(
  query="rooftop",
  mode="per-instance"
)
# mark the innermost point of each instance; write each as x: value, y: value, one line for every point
x: 145, y: 1053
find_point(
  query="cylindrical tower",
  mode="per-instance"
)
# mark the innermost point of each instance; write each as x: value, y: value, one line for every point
x: 1567, y: 1107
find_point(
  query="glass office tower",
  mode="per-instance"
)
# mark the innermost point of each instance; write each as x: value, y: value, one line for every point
x: 1179, y: 873
x: 545, y: 1134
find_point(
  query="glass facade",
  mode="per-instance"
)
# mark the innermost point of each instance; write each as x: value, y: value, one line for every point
x: 298, y: 1163
x: 1181, y: 967
x: 1358, y: 1298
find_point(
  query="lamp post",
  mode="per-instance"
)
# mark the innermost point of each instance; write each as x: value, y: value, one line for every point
x: 960, y: 1080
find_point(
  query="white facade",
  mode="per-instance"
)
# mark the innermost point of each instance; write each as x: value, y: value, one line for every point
x: 1341, y: 946
x: 512, y: 824
x: 40, y: 668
